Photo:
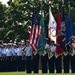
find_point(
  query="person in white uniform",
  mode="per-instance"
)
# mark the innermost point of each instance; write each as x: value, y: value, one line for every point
x: 19, y: 52
x: 35, y: 62
x: 73, y: 56
x: 9, y: 57
x: 44, y: 57
x: 51, y: 56
x: 29, y: 56
x: 23, y: 60
x: 4, y: 64
x: 14, y: 58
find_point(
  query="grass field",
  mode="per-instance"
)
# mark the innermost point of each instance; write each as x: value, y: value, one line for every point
x: 40, y: 73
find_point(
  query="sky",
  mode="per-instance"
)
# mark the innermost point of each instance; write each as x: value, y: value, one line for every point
x: 4, y: 1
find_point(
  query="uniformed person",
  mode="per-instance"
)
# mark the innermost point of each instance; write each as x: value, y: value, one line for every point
x: 58, y: 56
x: 44, y: 58
x: 0, y: 59
x: 9, y: 57
x: 73, y: 56
x: 14, y: 57
x: 23, y: 60
x: 66, y: 58
x: 29, y: 56
x: 4, y: 64
x: 35, y: 62
x: 51, y: 56
x: 19, y: 52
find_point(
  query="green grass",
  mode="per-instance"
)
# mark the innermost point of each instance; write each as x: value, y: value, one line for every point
x: 24, y: 73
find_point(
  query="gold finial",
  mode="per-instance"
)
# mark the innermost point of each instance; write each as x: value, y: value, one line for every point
x: 57, y: 5
x: 40, y: 2
x: 33, y: 2
x: 62, y: 2
x: 69, y: 4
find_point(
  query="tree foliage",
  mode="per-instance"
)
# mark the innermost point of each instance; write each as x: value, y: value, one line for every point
x: 15, y: 18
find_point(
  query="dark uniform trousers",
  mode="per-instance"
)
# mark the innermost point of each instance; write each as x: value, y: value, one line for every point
x: 14, y: 63
x: 28, y: 64
x: 51, y: 64
x: 66, y: 63
x: 58, y: 63
x: 9, y: 65
x: 19, y: 63
x: 35, y: 63
x: 23, y: 65
x: 4, y: 65
x: 73, y: 64
x: 44, y: 60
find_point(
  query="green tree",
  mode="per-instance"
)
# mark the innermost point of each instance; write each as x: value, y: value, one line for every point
x: 16, y: 18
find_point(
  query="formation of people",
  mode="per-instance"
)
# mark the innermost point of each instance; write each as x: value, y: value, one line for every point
x: 21, y: 57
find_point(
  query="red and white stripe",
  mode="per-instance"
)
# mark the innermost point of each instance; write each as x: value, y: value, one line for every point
x: 35, y: 40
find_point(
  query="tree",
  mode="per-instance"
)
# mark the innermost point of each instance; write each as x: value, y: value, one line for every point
x: 16, y: 18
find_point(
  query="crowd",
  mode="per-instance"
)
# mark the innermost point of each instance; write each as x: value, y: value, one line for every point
x: 21, y: 57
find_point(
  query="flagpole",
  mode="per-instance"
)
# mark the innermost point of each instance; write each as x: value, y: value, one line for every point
x: 41, y: 2
x: 62, y: 3
x: 69, y: 5
x: 49, y: 17
x: 32, y: 3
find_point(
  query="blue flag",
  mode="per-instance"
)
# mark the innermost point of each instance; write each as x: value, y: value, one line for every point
x: 41, y: 37
x: 69, y: 28
x: 63, y: 30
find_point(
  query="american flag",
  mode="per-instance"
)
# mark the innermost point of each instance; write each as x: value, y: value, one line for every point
x: 33, y: 39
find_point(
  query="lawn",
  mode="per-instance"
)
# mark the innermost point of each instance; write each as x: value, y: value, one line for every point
x: 24, y: 73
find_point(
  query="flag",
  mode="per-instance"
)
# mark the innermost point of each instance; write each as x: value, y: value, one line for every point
x: 33, y: 39
x: 63, y: 30
x: 41, y: 38
x: 52, y: 27
x: 68, y: 27
x: 58, y: 33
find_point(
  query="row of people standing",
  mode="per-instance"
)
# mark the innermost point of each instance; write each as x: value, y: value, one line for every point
x: 48, y: 59
x: 21, y: 58
x: 65, y: 61
x: 12, y: 57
